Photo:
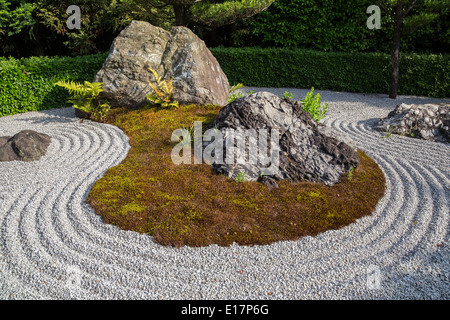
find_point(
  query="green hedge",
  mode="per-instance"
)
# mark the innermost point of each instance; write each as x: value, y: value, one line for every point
x: 28, y: 84
x: 423, y: 75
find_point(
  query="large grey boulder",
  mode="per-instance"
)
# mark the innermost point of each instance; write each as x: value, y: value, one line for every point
x: 428, y: 121
x: 305, y: 152
x: 178, y: 54
x: 27, y: 145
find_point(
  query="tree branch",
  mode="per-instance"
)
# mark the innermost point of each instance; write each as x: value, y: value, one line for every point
x: 383, y: 5
x: 409, y: 9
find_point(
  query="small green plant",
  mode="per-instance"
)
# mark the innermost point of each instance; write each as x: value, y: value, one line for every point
x: 236, y: 87
x: 387, y: 134
x: 288, y: 95
x: 85, y: 98
x: 163, y: 92
x: 312, y: 105
x: 350, y: 173
x: 233, y: 95
x: 187, y: 139
x: 241, y: 177
x: 238, y: 95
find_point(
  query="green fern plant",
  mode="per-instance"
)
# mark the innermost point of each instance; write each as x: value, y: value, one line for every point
x: 312, y: 105
x: 84, y: 97
x: 162, y: 92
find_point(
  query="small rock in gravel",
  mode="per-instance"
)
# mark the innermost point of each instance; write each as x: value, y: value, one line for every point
x: 27, y: 145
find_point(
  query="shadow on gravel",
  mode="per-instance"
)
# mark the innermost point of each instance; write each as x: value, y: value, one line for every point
x: 369, y: 123
x: 333, y: 97
x: 51, y: 116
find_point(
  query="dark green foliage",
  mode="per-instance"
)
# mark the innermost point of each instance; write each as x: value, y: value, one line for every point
x: 218, y: 13
x: 321, y: 25
x: 424, y: 75
x: 340, y: 25
x: 28, y: 84
x: 14, y: 17
x: 38, y: 27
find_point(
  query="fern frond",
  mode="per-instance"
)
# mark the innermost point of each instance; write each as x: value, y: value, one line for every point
x: 71, y: 86
x: 158, y: 79
x: 237, y: 86
x: 165, y: 87
x: 83, y: 97
x: 162, y: 92
x: 155, y: 88
x: 169, y: 86
x: 93, y: 89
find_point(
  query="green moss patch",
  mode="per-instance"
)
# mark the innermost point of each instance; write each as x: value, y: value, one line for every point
x: 191, y: 205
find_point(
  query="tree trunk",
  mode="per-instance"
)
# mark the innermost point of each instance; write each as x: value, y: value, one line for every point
x: 38, y: 49
x: 180, y: 15
x: 393, y: 87
x: 212, y: 37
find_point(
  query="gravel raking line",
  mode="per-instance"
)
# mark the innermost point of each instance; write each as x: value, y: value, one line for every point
x: 54, y: 246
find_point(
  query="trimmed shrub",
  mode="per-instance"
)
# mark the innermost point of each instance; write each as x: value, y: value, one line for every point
x: 28, y: 84
x: 424, y: 75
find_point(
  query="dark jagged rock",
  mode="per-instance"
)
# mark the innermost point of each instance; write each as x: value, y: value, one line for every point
x: 27, y: 145
x: 305, y: 152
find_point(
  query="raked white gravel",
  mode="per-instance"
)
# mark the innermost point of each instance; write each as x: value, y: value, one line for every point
x: 54, y: 246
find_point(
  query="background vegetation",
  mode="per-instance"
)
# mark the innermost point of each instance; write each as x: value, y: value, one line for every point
x: 27, y: 84
x: 38, y: 27
x: 297, y: 43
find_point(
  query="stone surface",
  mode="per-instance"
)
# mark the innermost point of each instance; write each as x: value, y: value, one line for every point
x: 428, y: 121
x: 178, y: 54
x: 305, y: 152
x: 26, y: 145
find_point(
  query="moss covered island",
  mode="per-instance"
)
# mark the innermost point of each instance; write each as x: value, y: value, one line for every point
x: 190, y: 205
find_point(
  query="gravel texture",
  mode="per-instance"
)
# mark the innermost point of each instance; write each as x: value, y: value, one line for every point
x: 53, y: 245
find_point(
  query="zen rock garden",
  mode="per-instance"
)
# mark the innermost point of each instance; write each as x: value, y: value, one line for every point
x: 141, y: 162
x: 313, y: 175
x: 302, y: 152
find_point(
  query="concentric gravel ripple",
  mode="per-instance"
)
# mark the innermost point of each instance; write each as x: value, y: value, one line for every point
x: 54, y: 246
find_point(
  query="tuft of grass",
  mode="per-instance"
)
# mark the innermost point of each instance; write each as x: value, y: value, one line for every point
x: 190, y: 205
x: 240, y: 177
x: 350, y: 173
